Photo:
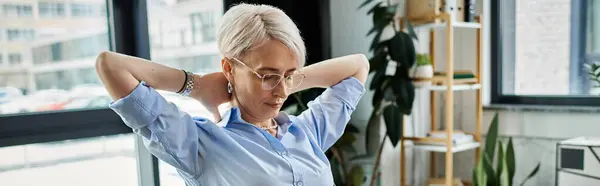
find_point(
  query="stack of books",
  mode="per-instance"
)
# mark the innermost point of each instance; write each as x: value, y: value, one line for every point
x: 458, y: 138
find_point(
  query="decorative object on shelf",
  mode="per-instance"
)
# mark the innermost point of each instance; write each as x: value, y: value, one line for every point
x: 460, y: 10
x: 593, y: 70
x: 460, y: 77
x: 423, y: 71
x: 484, y: 173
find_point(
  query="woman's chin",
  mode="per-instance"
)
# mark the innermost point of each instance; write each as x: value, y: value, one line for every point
x: 273, y: 109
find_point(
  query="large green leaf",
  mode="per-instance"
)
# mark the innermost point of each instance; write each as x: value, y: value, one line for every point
x: 500, y: 162
x: 336, y: 170
x: 474, y: 177
x: 531, y: 174
x: 479, y: 172
x: 510, y: 160
x: 393, y: 122
x: 492, y: 136
x: 377, y: 80
x: 378, y: 59
x: 410, y: 56
x: 397, y: 48
x: 372, y: 136
x: 376, y: 44
x: 405, y: 94
x: 410, y: 29
x: 489, y: 170
x: 377, y: 97
x: 357, y: 175
x: 402, y: 50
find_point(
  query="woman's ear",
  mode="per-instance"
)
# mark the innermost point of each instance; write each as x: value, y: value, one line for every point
x: 227, y: 69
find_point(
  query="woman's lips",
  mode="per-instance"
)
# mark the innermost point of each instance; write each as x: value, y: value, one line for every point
x: 274, y: 105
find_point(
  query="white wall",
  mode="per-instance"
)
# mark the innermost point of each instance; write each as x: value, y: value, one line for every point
x: 535, y: 133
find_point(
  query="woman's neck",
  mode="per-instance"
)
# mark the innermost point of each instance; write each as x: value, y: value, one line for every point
x: 249, y: 118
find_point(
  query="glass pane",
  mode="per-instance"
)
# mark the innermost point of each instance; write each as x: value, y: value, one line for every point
x: 183, y: 35
x: 537, y: 46
x: 107, y: 160
x: 49, y: 52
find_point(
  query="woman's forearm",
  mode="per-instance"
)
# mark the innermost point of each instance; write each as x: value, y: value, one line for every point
x: 329, y: 72
x: 120, y: 74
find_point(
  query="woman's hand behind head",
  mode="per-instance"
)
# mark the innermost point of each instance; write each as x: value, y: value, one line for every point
x: 218, y: 95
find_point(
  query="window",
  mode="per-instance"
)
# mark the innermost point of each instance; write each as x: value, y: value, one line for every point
x: 539, y: 51
x: 14, y: 59
x: 48, y: 9
x: 61, y: 61
x: 172, y: 36
x: 1, y: 60
x: 86, y: 10
x: 20, y: 34
x: 106, y: 160
x: 203, y: 27
x: 16, y: 10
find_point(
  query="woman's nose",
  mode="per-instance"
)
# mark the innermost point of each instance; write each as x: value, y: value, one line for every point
x: 281, y: 90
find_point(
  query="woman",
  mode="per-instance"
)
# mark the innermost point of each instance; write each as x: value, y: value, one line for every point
x: 263, y: 59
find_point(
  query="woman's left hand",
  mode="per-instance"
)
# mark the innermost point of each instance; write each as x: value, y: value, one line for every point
x: 211, y: 91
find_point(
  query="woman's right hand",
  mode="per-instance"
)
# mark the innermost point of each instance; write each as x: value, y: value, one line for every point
x: 211, y: 91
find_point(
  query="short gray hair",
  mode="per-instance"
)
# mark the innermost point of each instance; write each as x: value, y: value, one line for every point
x: 244, y: 26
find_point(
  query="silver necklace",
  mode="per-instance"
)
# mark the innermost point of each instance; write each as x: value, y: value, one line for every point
x: 270, y: 127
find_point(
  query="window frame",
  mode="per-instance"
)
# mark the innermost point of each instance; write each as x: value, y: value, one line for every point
x: 577, y: 58
x: 127, y: 34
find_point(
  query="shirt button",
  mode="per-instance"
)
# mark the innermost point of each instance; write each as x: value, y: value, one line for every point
x: 299, y: 183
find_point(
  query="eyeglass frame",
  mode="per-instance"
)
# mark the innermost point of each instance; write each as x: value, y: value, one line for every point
x: 261, y: 77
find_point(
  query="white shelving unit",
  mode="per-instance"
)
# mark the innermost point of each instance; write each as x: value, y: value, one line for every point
x: 443, y: 148
x: 454, y: 88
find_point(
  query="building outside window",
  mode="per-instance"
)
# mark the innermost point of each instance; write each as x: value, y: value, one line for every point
x: 51, y: 9
x: 203, y: 27
x: 14, y: 59
x: 87, y: 10
x: 75, y: 48
x: 17, y: 10
x: 20, y: 34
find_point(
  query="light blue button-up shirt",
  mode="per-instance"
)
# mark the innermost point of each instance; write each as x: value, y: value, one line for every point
x: 236, y: 152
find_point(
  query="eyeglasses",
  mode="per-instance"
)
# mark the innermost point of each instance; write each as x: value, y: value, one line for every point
x: 270, y: 81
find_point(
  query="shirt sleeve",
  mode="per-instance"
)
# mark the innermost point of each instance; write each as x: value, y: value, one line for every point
x: 168, y: 133
x: 327, y: 115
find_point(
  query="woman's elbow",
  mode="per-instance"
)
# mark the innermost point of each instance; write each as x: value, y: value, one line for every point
x: 102, y: 63
x: 363, y: 67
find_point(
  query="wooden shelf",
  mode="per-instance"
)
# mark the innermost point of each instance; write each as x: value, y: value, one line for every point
x: 443, y: 25
x: 454, y: 87
x: 443, y: 148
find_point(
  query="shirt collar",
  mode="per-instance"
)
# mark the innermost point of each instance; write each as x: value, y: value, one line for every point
x: 233, y: 117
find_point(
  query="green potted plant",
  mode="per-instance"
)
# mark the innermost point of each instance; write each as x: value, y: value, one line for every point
x: 594, y: 75
x: 423, y: 71
x: 484, y: 173
x: 393, y: 98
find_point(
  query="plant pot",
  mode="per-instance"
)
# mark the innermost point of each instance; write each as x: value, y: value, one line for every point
x: 422, y: 75
x: 366, y: 164
x: 595, y: 91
